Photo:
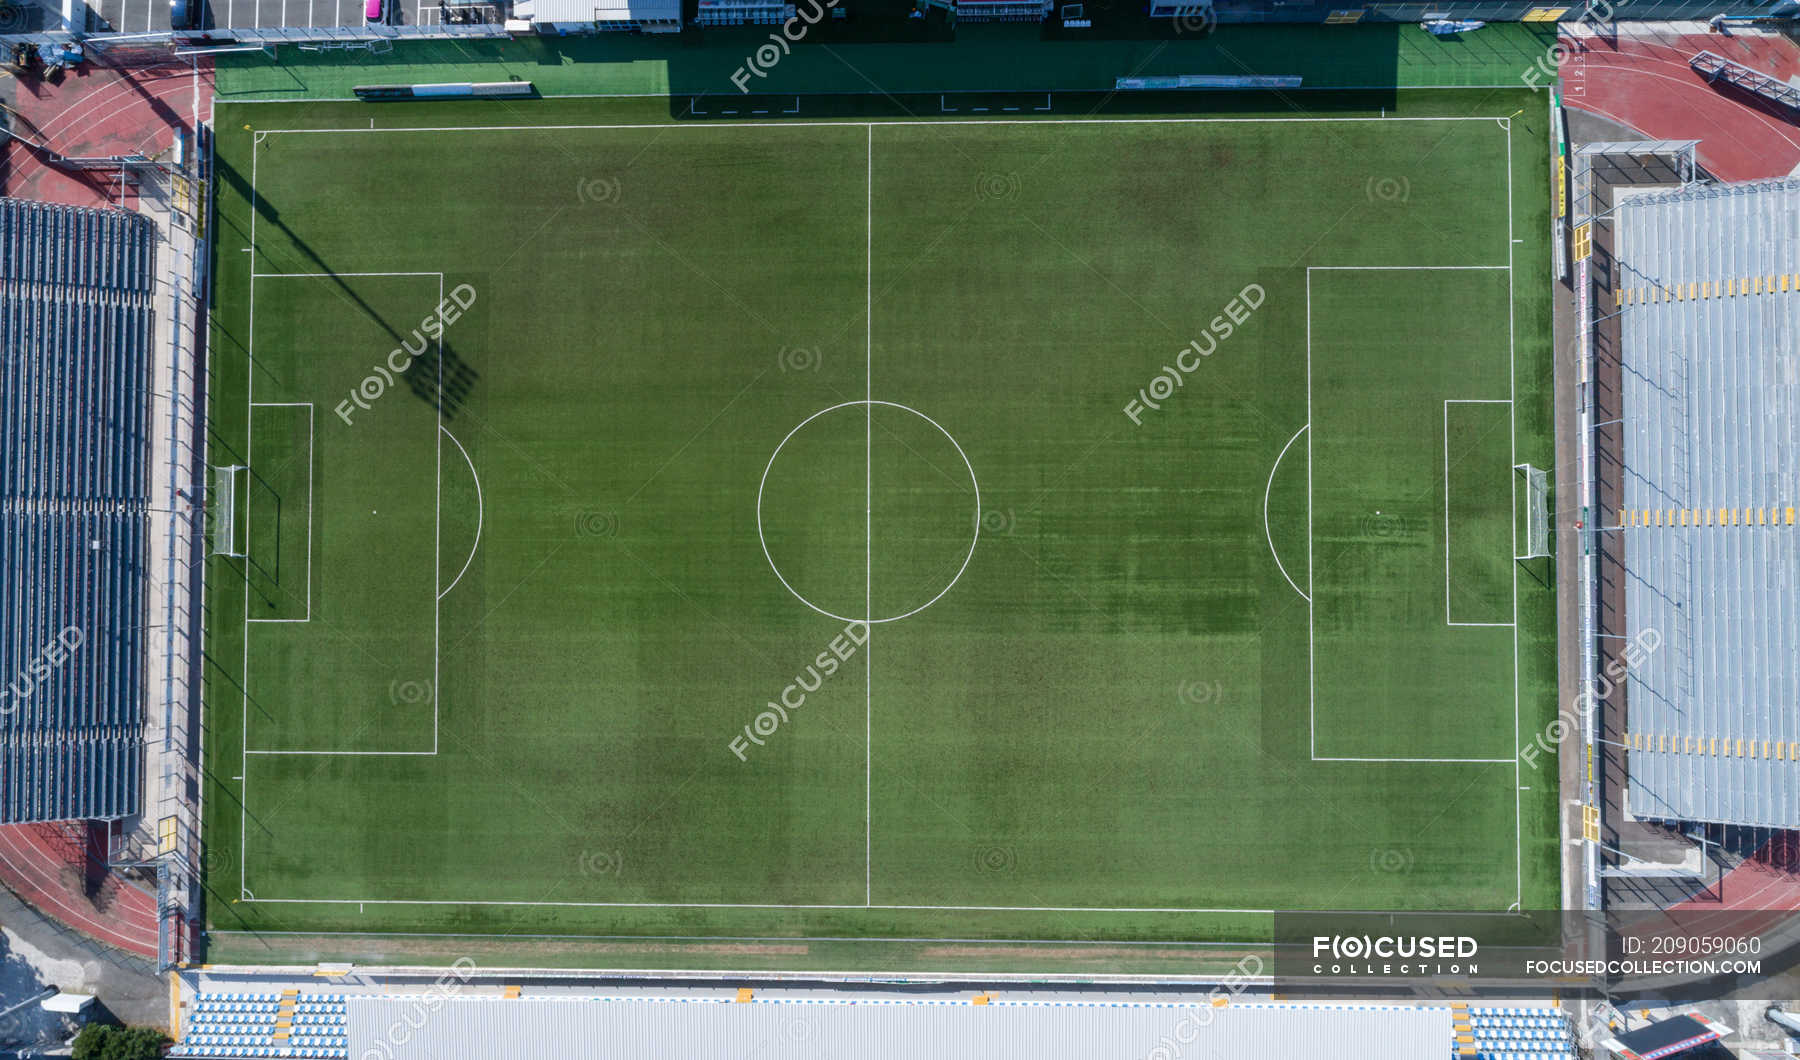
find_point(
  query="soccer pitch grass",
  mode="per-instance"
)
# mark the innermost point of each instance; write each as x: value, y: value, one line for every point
x: 507, y: 626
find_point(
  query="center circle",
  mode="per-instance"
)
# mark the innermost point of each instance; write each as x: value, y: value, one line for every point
x: 868, y: 511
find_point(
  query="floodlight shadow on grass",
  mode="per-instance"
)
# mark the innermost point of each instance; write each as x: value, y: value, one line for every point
x: 271, y: 215
x: 442, y: 379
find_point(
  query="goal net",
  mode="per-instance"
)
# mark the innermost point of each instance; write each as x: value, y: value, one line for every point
x: 1535, y: 541
x: 227, y: 484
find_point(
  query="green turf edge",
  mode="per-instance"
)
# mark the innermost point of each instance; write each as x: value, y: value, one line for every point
x: 984, y: 58
x: 903, y: 957
x: 858, y: 947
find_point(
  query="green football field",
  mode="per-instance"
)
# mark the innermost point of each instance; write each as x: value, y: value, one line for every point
x: 1027, y: 528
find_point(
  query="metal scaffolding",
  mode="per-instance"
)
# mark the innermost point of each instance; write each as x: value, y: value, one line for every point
x: 1717, y: 68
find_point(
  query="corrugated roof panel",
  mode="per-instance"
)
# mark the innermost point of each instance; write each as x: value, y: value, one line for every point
x: 574, y: 1028
x: 1710, y: 393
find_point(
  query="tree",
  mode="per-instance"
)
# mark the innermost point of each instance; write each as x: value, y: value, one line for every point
x: 98, y: 1041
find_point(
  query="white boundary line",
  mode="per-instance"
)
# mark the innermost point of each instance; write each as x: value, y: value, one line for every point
x: 1447, y: 403
x: 1416, y: 761
x: 336, y: 275
x: 940, y: 940
x: 250, y: 480
x: 1267, y: 535
x: 1024, y: 91
x: 869, y: 525
x: 1311, y: 631
x: 480, y: 511
x: 1518, y: 820
x: 1406, y: 268
x: 437, y: 533
x: 757, y: 905
x: 243, y: 776
x: 939, y: 122
x: 347, y: 754
x: 1312, y: 663
x: 1512, y: 383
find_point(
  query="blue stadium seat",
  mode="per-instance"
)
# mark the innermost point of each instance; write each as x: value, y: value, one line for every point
x: 75, y: 358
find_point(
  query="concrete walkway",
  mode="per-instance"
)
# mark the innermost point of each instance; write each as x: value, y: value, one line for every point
x: 126, y: 984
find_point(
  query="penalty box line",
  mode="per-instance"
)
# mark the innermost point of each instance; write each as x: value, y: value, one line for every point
x: 437, y: 518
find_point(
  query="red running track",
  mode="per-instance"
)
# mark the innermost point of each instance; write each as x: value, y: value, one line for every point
x: 1768, y: 880
x: 37, y: 864
x: 101, y: 110
x: 1647, y: 85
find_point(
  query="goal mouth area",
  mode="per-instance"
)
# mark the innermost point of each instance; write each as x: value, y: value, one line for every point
x: 1531, y: 503
x: 225, y: 532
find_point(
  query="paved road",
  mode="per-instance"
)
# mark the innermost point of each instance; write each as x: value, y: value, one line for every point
x: 152, y: 16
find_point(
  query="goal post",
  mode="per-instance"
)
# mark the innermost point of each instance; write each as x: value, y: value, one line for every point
x: 228, y: 484
x: 1534, y: 541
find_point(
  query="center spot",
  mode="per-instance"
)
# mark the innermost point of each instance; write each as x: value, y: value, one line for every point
x: 868, y: 511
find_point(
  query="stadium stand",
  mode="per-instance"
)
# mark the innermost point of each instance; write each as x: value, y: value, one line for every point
x: 486, y: 1019
x: 75, y: 338
x: 1709, y: 304
x: 1514, y: 1034
x: 287, y: 1024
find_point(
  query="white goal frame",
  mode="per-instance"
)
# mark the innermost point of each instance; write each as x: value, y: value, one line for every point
x: 223, y: 536
x: 1535, y: 544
